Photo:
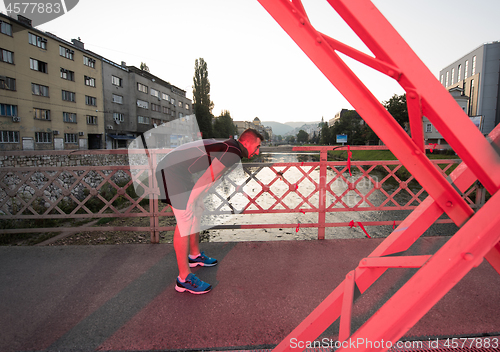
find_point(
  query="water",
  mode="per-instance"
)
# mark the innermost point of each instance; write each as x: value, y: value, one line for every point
x: 306, y: 187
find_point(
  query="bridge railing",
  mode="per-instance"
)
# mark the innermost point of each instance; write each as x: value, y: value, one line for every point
x: 317, y: 188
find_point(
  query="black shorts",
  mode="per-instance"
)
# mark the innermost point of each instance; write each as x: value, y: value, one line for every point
x: 177, y: 189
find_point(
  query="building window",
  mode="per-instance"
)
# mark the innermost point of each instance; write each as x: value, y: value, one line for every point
x: 459, y: 77
x: 37, y: 41
x: 91, y: 120
x: 8, y: 110
x: 7, y: 83
x: 68, y: 96
x: 442, y: 79
x: 428, y: 127
x: 473, y: 65
x: 181, y: 115
x: 7, y: 56
x: 87, y: 61
x: 452, y: 76
x: 155, y: 107
x: 165, y: 96
x: 117, y: 99
x: 67, y: 53
x: 6, y: 28
x: 172, y: 101
x: 69, y: 117
x: 466, y: 71
x: 71, y: 138
x: 38, y: 89
x: 155, y: 93
x: 89, y: 81
x: 142, y: 88
x: 187, y: 106
x: 142, y: 119
x: 38, y: 65
x: 447, y: 78
x: 142, y: 104
x: 67, y: 74
x: 166, y: 110
x: 43, y: 137
x: 90, y: 100
x: 9, y: 137
x: 41, y: 114
x: 118, y: 117
x: 117, y: 81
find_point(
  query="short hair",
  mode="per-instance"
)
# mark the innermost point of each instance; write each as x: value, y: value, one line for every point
x: 250, y: 132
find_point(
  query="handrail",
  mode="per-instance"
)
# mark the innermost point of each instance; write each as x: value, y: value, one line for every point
x: 322, y: 187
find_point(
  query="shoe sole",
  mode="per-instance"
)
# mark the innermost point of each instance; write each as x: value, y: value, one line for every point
x: 183, y: 289
x: 192, y: 265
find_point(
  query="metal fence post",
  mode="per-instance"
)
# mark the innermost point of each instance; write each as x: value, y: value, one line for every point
x: 322, y: 194
x: 153, y: 201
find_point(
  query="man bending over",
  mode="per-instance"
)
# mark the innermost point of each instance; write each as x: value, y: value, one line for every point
x: 185, y: 175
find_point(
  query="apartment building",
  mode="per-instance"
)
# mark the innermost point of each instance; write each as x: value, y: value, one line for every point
x: 56, y: 94
x: 51, y: 90
x: 474, y: 80
x: 135, y: 101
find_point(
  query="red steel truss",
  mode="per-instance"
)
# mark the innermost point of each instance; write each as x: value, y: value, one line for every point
x: 478, y: 236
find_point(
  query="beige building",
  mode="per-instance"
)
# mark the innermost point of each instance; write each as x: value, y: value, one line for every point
x: 256, y: 125
x: 51, y: 91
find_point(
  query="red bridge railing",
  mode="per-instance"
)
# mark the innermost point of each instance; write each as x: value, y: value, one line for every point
x: 318, y: 187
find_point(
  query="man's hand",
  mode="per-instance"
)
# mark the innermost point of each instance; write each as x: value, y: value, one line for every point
x: 196, y: 207
x: 199, y: 207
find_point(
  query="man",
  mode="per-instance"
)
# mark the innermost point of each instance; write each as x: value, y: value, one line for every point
x: 185, y: 175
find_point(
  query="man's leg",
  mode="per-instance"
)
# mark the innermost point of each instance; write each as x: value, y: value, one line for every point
x: 181, y: 247
x: 194, y: 244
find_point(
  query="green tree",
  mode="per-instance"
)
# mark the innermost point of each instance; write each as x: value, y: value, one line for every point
x: 325, y: 134
x: 349, y: 124
x: 224, y: 126
x: 314, y: 138
x: 302, y: 136
x: 398, y: 109
x: 201, y: 98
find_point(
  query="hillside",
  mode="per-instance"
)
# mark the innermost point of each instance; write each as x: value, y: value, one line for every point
x: 288, y: 128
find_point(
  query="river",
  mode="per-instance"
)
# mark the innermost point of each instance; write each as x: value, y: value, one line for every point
x: 306, y: 187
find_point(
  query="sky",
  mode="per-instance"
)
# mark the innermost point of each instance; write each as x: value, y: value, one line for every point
x: 254, y: 67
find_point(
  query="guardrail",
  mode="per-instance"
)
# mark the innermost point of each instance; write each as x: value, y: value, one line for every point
x: 322, y: 187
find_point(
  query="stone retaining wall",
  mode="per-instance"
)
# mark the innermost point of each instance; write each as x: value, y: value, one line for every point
x: 58, y: 160
x: 35, y: 186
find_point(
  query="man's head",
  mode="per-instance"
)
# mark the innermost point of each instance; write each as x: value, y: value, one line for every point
x: 251, y: 140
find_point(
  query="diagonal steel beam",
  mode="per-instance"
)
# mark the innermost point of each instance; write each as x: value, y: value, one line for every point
x: 379, y: 119
x: 399, y: 241
x: 465, y: 250
x: 437, y: 104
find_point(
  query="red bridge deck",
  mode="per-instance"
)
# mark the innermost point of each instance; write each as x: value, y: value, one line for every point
x: 122, y: 298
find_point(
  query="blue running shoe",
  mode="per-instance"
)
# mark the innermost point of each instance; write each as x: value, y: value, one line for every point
x: 193, y: 284
x: 202, y: 260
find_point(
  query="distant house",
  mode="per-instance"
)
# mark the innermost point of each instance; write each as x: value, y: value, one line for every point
x: 473, y: 81
x: 343, y: 113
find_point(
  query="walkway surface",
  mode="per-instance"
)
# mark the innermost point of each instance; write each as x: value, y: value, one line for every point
x: 122, y: 298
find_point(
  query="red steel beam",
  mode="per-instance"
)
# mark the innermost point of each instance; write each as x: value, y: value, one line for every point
x: 437, y: 104
x: 382, y: 123
x: 465, y: 250
x: 347, y: 303
x: 493, y: 257
x: 398, y: 241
